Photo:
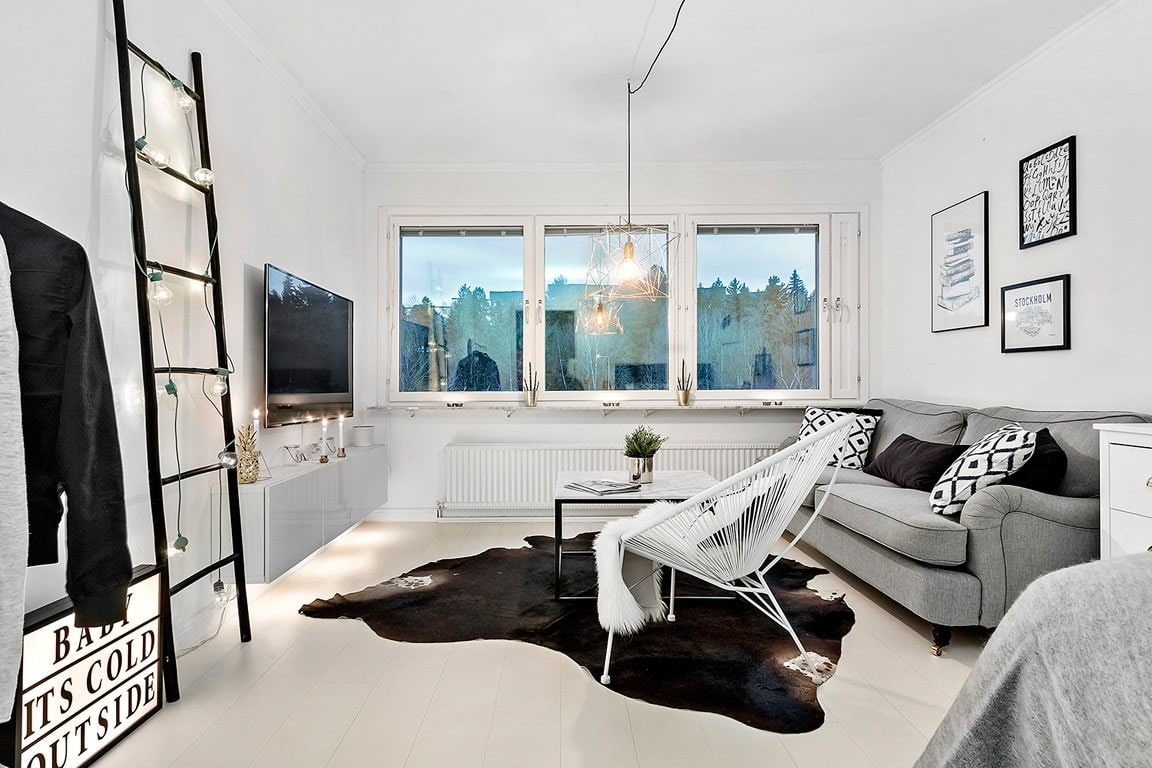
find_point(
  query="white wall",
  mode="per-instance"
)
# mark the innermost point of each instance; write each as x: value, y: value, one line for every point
x: 288, y: 191
x: 416, y: 471
x: 1091, y: 82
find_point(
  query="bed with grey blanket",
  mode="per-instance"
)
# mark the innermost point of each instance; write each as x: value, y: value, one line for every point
x: 1065, y: 679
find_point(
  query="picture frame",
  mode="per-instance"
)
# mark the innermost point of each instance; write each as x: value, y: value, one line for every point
x: 1035, y: 315
x: 1048, y: 194
x: 960, y: 265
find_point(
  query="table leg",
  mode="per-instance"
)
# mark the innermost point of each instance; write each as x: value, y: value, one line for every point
x: 559, y: 540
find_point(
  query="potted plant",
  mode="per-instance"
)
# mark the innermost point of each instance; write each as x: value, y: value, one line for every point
x: 531, y: 387
x: 684, y: 385
x: 640, y: 445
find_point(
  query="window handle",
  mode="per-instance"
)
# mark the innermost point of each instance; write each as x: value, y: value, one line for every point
x: 539, y: 311
x: 824, y: 305
x: 839, y: 309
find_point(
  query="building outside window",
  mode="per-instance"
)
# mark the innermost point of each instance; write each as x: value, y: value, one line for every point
x: 461, y: 318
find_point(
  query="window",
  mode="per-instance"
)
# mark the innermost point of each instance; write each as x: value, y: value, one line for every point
x: 759, y: 307
x: 461, y: 321
x: 756, y: 302
x: 593, y: 341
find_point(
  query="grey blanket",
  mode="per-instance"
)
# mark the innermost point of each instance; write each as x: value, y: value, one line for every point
x: 1066, y: 679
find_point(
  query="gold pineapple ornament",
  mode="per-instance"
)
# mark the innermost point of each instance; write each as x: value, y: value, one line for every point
x: 248, y: 470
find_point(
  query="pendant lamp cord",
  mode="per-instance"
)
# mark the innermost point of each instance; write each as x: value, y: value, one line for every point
x: 631, y: 91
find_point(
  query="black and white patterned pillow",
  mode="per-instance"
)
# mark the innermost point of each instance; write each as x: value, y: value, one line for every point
x: 990, y: 459
x: 855, y: 451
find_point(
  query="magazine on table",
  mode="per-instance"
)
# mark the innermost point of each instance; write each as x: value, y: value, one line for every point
x: 603, y: 487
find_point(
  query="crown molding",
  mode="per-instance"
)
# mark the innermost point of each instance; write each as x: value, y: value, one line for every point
x: 1094, y: 18
x: 291, y: 85
x: 385, y: 167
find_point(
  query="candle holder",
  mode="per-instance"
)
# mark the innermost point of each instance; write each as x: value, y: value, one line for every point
x: 323, y: 458
x: 340, y: 453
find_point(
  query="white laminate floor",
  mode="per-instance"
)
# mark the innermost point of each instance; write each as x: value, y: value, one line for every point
x: 316, y: 693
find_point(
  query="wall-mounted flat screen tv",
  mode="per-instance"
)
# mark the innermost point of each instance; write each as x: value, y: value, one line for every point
x: 307, y: 350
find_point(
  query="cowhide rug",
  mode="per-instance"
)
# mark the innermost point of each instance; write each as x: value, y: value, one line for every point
x: 719, y: 656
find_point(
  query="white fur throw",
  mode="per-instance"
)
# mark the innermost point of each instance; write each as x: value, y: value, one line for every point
x: 621, y: 609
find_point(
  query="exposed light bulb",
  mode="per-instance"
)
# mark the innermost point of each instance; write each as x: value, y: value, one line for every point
x: 151, y: 154
x: 203, y: 176
x: 228, y: 459
x: 220, y: 386
x: 629, y: 249
x: 178, y: 548
x: 158, y: 293
x: 220, y: 592
x: 600, y: 318
x: 628, y: 270
x: 184, y: 102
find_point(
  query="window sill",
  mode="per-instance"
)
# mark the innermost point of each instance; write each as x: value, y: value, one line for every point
x: 649, y: 407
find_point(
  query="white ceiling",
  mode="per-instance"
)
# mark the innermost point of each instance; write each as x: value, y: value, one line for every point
x: 527, y: 81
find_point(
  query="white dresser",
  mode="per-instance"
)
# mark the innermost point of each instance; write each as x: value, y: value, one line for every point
x: 1125, y: 489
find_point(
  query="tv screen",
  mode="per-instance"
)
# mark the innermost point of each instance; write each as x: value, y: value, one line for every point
x: 308, y: 350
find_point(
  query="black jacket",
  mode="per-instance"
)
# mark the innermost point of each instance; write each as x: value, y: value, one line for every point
x: 70, y: 439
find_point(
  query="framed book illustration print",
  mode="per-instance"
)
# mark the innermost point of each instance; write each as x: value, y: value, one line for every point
x: 1035, y: 315
x: 960, y: 265
x: 1048, y: 194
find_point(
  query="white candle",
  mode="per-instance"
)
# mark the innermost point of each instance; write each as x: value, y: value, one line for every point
x: 255, y: 422
x: 340, y: 441
x: 324, y: 428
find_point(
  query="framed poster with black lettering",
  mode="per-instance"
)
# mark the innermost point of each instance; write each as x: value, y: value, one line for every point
x: 1035, y: 315
x: 1048, y: 194
x: 83, y: 689
x: 960, y: 265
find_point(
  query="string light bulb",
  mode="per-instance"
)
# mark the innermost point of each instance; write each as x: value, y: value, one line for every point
x: 184, y: 101
x: 204, y: 177
x: 228, y: 459
x: 220, y: 386
x: 158, y: 293
x: 178, y: 548
x: 151, y: 154
x: 601, y: 318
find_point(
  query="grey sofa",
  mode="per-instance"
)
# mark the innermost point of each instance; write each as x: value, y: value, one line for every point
x: 965, y: 570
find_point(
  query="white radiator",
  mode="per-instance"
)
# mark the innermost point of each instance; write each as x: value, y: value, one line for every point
x: 484, y: 479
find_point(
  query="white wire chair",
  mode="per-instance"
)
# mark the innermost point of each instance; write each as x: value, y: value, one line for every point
x: 723, y: 536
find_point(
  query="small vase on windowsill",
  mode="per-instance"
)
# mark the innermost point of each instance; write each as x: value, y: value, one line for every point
x: 531, y: 387
x: 684, y: 385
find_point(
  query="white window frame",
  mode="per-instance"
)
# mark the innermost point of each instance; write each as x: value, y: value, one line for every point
x: 841, y: 270
x: 395, y: 224
x: 824, y: 268
x: 600, y: 396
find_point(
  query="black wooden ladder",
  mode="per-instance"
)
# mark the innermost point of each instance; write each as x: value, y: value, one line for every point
x: 125, y: 49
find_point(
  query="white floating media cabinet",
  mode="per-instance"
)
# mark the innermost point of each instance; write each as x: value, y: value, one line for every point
x: 304, y: 506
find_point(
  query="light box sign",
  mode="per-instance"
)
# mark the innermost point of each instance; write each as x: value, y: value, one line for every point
x: 83, y: 689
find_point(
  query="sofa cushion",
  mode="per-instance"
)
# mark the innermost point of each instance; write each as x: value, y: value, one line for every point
x: 1072, y: 430
x: 924, y: 421
x: 846, y: 477
x: 1044, y: 471
x: 853, y: 454
x: 900, y: 519
x: 988, y: 461
x: 913, y: 463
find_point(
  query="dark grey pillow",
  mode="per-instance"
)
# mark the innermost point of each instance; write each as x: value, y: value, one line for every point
x: 912, y: 463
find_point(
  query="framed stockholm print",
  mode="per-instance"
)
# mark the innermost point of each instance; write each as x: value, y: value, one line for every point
x: 1035, y: 315
x: 960, y: 265
x: 1048, y: 194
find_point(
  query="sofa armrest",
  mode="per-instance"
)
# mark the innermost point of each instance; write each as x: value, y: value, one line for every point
x: 1016, y: 535
x: 989, y: 506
